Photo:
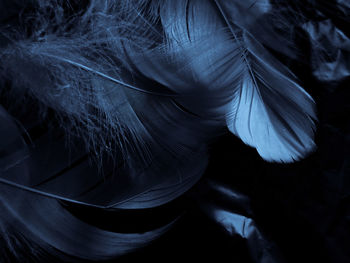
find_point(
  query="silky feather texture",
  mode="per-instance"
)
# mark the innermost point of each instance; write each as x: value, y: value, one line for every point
x: 288, y: 130
x: 83, y: 78
x: 151, y: 83
x: 236, y: 77
x: 86, y: 79
x: 72, y: 64
x: 204, y: 64
x: 37, y: 218
x: 82, y: 74
x: 198, y: 65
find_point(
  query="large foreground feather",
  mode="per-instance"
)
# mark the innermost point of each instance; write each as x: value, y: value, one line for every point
x: 142, y: 87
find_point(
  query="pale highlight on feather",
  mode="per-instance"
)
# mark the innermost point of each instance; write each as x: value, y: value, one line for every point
x: 144, y: 87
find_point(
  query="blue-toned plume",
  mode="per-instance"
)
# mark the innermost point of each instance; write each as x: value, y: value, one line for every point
x: 147, y: 85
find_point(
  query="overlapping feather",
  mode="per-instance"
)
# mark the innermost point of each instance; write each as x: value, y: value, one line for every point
x: 233, y: 75
x: 151, y: 83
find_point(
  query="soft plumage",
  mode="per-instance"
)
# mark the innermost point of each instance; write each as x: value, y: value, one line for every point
x: 147, y: 85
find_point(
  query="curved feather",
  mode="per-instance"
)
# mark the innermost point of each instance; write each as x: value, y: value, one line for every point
x: 35, y: 212
x: 81, y: 72
x: 148, y: 82
x: 233, y: 75
x: 271, y: 112
x: 54, y: 229
x: 200, y: 64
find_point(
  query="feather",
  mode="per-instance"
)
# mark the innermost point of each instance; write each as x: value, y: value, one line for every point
x: 81, y: 73
x: 271, y: 111
x: 144, y: 86
x: 270, y: 93
x: 36, y: 213
x: 53, y: 228
x: 234, y: 76
x: 266, y: 21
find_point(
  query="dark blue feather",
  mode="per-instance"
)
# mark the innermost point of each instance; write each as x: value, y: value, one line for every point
x: 143, y: 87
